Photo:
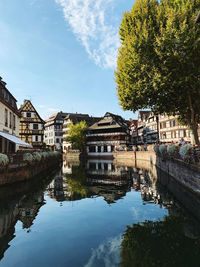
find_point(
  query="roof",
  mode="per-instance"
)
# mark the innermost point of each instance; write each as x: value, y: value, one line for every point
x: 57, y: 116
x: 22, y: 108
x: 78, y: 117
x: 14, y: 139
x: 109, y: 121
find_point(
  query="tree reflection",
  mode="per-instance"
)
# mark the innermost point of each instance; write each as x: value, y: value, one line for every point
x: 160, y: 243
x: 76, y: 183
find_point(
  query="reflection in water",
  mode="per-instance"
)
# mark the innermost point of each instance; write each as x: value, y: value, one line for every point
x: 128, y: 192
x: 23, y: 204
x: 161, y: 243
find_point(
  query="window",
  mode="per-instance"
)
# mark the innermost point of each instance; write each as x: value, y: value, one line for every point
x: 57, y: 140
x: 6, y: 117
x: 14, y: 123
x: 35, y: 126
x: 10, y: 120
x: 36, y: 138
x: 28, y: 114
x: 105, y: 149
x: 99, y: 149
x: 92, y: 149
x: 173, y: 134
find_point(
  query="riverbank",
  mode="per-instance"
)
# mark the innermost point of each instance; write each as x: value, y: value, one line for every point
x: 29, y: 170
x: 186, y: 174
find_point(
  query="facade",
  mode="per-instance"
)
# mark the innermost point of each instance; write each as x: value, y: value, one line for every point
x: 141, y: 129
x: 53, y: 130
x: 163, y: 128
x: 133, y: 131
x: 107, y: 135
x: 31, y: 125
x: 170, y: 129
x: 9, y: 120
x: 75, y: 118
x: 152, y: 128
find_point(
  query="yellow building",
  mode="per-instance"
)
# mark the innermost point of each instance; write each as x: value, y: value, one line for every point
x: 31, y: 125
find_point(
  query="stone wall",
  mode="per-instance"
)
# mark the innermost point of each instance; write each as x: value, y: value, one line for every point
x: 23, y: 173
x: 186, y: 174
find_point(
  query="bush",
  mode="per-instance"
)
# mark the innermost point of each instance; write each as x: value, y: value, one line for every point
x: 185, y: 152
x: 28, y: 157
x: 163, y: 150
x: 4, y: 160
x: 37, y: 156
x: 172, y: 150
x: 156, y: 149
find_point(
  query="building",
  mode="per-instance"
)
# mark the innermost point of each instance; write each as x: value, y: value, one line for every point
x: 53, y: 130
x: 133, y: 131
x: 170, y: 129
x: 9, y: 122
x: 75, y: 118
x: 141, y: 129
x: 31, y: 125
x: 152, y: 128
x: 107, y: 135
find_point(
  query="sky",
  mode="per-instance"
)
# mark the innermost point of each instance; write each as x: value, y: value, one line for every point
x: 61, y: 54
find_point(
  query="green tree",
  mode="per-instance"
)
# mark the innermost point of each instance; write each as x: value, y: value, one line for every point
x: 77, y: 135
x: 159, y: 244
x: 158, y: 61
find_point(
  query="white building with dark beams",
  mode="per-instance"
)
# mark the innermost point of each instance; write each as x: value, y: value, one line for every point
x: 53, y: 130
x: 107, y: 135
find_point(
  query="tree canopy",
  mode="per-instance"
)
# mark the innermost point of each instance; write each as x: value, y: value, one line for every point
x: 158, y: 63
x: 77, y: 135
x: 161, y: 243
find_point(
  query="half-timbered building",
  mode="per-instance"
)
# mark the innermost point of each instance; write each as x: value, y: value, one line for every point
x: 107, y: 135
x: 31, y: 125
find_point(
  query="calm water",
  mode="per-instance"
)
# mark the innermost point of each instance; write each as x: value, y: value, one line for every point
x: 79, y: 217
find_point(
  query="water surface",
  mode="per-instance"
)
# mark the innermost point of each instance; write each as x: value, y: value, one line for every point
x: 79, y: 217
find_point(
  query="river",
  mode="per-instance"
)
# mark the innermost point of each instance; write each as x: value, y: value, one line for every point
x: 96, y: 214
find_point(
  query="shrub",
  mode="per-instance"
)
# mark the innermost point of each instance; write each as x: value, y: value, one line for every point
x: 28, y: 157
x: 44, y: 155
x: 185, y: 151
x: 163, y: 150
x: 172, y: 150
x: 4, y: 160
x: 156, y: 149
x: 37, y: 156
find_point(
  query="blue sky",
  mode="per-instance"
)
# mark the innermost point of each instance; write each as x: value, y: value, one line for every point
x: 61, y: 54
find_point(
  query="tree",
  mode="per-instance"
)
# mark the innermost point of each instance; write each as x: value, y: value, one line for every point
x: 77, y: 135
x: 159, y: 243
x: 158, y: 62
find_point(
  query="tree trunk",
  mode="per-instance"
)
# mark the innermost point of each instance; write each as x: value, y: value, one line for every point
x: 194, y: 137
x: 193, y: 124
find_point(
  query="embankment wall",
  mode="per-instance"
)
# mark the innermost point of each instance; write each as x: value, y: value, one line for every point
x: 186, y: 174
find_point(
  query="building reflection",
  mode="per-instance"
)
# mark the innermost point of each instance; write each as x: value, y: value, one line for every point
x: 21, y: 206
x: 96, y: 178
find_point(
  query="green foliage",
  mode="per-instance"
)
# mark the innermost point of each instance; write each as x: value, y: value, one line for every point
x: 161, y: 244
x: 158, y: 61
x: 77, y: 135
x: 77, y: 183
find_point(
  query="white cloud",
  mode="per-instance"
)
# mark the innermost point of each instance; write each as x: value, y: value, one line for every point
x: 88, y: 20
x: 107, y: 254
